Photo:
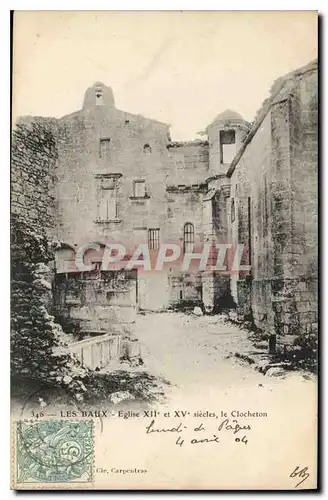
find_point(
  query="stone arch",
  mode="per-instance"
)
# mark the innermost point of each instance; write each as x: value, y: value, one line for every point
x: 188, y: 237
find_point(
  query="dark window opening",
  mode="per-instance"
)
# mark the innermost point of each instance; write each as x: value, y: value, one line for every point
x: 96, y: 266
x: 233, y: 210
x: 249, y: 210
x: 99, y: 97
x: 110, y: 295
x: 188, y: 237
x: 153, y: 239
x: 266, y: 208
x: 227, y: 146
x: 181, y: 294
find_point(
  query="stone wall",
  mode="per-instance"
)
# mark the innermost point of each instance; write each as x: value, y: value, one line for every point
x: 184, y: 204
x: 185, y: 288
x: 33, y: 173
x: 36, y: 340
x: 274, y: 188
x: 216, y: 294
x: 298, y: 313
x: 96, y: 302
x: 189, y: 162
x: 248, y: 185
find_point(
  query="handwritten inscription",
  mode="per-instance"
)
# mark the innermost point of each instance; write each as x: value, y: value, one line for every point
x: 200, y: 434
x: 151, y: 428
x: 302, y: 474
x: 233, y: 426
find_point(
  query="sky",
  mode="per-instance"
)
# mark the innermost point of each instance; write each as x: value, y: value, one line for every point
x: 182, y: 68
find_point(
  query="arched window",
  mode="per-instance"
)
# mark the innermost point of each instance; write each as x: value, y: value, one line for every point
x: 147, y: 149
x: 188, y: 237
x: 99, y: 97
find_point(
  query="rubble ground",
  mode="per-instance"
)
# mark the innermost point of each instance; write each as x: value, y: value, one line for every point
x: 201, y: 353
x: 182, y: 356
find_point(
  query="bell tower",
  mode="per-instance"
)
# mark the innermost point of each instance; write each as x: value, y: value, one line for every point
x: 225, y: 136
x: 98, y: 95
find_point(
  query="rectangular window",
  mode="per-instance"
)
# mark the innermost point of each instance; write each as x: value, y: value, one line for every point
x: 153, y: 239
x: 227, y: 146
x: 233, y: 210
x: 107, y: 198
x: 266, y: 208
x: 249, y: 210
x: 104, y: 148
x: 107, y: 206
x: 139, y: 189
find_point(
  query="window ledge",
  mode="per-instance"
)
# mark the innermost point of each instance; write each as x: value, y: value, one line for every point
x: 146, y: 197
x: 102, y: 175
x: 107, y: 221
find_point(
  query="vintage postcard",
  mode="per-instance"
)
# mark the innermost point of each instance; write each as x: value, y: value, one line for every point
x: 164, y: 250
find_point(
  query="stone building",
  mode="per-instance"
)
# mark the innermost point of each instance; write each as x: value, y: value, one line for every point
x: 274, y: 195
x: 119, y: 177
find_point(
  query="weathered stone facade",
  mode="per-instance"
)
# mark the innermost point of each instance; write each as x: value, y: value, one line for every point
x: 274, y: 187
x: 119, y: 177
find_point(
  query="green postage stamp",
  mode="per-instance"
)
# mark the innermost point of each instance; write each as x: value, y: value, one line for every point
x: 54, y: 451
